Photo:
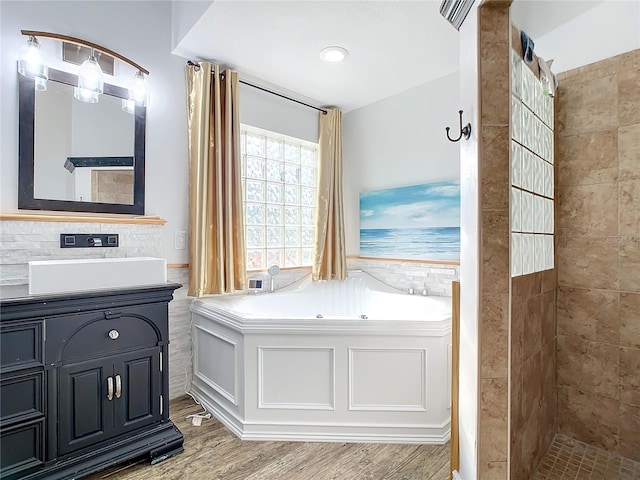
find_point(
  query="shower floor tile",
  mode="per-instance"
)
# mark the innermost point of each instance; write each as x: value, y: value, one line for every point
x: 569, y: 459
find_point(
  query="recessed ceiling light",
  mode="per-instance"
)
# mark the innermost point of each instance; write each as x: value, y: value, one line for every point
x: 334, y: 54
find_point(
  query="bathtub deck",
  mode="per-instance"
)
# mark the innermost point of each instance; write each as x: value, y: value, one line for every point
x: 213, y: 453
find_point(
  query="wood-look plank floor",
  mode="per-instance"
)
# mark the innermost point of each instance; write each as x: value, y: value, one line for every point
x: 213, y: 453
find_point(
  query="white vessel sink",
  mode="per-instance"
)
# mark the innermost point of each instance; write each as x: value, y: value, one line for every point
x: 60, y: 276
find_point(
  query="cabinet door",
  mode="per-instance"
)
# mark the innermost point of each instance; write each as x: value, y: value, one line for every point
x: 140, y: 379
x: 86, y: 415
x: 90, y: 414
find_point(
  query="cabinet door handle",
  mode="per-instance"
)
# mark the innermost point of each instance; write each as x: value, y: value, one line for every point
x: 110, y: 388
x: 118, y: 386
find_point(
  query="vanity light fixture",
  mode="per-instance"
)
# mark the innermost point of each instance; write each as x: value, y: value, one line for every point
x: 139, y: 91
x: 128, y: 105
x: 32, y: 63
x: 138, y: 94
x: 333, y: 54
x: 90, y: 80
x: 86, y: 95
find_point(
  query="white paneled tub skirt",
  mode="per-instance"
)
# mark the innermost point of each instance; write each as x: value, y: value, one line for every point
x: 344, y: 361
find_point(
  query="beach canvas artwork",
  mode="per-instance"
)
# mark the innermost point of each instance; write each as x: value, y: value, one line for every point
x: 419, y: 222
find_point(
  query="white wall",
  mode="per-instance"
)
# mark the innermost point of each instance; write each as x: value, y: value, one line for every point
x: 185, y: 14
x: 606, y: 29
x: 469, y: 245
x: 52, y: 145
x: 263, y: 110
x: 107, y: 133
x: 141, y: 31
x: 398, y: 141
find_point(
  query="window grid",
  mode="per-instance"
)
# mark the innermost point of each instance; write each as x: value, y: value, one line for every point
x: 279, y: 185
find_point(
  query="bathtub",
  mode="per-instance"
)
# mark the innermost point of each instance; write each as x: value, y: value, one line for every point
x: 348, y: 361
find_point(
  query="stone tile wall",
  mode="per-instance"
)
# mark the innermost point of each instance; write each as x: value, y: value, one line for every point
x: 533, y: 401
x: 517, y: 405
x: 435, y: 278
x: 598, y: 144
x: 533, y: 338
x: 494, y: 179
x: 180, y: 352
x: 21, y: 241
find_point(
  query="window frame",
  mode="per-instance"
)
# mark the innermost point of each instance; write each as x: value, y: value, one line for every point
x: 297, y: 218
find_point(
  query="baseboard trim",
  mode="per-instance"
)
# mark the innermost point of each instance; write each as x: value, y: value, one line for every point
x: 316, y: 433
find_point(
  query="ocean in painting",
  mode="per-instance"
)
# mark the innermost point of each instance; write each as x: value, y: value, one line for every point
x: 419, y: 222
x: 426, y: 243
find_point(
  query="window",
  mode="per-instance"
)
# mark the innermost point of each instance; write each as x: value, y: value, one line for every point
x: 279, y: 183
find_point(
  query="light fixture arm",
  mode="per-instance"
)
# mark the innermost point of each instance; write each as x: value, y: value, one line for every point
x: 84, y: 43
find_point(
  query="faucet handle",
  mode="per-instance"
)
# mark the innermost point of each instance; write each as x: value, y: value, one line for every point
x: 274, y: 270
x: 411, y: 291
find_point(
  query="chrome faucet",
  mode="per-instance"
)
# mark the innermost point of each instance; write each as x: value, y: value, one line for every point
x: 273, y: 271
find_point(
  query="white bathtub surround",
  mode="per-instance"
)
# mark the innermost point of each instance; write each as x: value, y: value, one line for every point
x: 290, y: 375
x: 435, y: 277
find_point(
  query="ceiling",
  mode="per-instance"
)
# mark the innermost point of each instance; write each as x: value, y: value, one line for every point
x: 394, y: 45
x: 539, y: 17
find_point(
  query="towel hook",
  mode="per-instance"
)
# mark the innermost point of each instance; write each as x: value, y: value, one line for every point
x: 466, y: 131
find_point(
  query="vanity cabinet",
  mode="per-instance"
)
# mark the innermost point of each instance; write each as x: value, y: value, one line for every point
x: 84, y: 382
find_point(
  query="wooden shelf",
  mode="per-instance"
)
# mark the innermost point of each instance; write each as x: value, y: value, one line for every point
x: 58, y: 217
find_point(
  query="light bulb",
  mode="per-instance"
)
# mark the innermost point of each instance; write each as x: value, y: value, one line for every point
x: 139, y: 91
x: 86, y: 95
x: 32, y: 63
x: 128, y: 105
x: 40, y: 84
x: 90, y: 75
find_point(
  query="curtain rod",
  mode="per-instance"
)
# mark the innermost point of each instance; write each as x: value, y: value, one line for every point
x: 324, y: 112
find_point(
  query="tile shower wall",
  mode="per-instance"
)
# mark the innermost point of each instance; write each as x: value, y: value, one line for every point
x: 493, y: 172
x: 599, y: 254
x: 533, y: 416
x: 24, y: 241
x: 532, y: 340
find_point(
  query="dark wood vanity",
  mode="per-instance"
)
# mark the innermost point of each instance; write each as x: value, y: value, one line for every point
x: 84, y: 381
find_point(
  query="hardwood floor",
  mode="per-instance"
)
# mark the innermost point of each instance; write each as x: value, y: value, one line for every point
x: 213, y: 453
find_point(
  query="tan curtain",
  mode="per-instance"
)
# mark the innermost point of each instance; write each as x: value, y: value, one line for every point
x: 216, y: 225
x: 329, y: 258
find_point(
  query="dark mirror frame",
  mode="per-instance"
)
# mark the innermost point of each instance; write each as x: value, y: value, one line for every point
x: 26, y: 132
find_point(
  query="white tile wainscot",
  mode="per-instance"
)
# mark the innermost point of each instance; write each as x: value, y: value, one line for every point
x: 22, y: 241
x: 435, y: 277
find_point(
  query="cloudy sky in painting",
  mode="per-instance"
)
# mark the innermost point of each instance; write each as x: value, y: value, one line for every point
x: 417, y: 206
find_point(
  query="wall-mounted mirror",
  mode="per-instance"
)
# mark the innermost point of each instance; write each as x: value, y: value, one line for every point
x: 76, y: 156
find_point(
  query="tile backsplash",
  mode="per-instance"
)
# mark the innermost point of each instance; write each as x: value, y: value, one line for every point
x: 435, y: 278
x: 22, y: 241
